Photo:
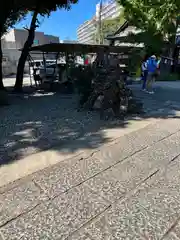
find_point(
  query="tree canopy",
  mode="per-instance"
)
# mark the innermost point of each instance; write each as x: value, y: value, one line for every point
x: 109, y: 26
x: 158, y: 19
x: 42, y: 8
x: 12, y: 11
x: 10, y: 14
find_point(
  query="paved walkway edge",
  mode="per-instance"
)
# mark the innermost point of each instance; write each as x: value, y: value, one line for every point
x: 22, y: 168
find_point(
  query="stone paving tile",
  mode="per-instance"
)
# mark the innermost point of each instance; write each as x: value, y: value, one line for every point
x: 77, y: 207
x: 125, y: 176
x: 112, y: 184
x: 171, y: 236
x: 41, y: 223
x: 18, y: 200
x: 62, y: 177
x: 169, y: 176
x: 138, y: 140
x: 85, y: 236
x: 1, y: 236
x: 163, y: 197
x: 128, y: 220
x: 147, y: 214
x: 162, y: 205
x: 174, y: 233
x: 108, y: 185
x: 98, y: 229
x: 58, y: 218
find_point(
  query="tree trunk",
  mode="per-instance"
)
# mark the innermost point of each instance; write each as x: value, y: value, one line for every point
x: 1, y: 74
x: 174, y: 49
x: 24, y: 54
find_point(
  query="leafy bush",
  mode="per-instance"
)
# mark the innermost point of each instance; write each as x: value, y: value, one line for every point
x: 83, y: 82
x: 168, y: 77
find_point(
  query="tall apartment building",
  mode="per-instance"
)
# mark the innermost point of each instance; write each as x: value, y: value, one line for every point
x: 14, y: 40
x: 86, y: 31
x: 110, y: 9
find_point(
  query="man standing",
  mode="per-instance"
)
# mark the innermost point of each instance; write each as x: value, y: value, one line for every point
x: 152, y: 69
x: 144, y: 73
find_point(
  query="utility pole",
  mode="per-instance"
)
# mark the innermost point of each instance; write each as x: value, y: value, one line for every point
x: 99, y: 26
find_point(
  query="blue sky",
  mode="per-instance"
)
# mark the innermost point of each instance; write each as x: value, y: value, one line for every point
x: 65, y: 23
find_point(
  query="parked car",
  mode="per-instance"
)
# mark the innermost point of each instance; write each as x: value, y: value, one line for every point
x: 38, y: 64
x: 51, y: 70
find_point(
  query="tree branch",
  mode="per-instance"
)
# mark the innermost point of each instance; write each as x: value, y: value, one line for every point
x: 26, y: 28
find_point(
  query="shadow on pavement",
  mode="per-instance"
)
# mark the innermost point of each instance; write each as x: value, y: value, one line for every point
x: 36, y: 122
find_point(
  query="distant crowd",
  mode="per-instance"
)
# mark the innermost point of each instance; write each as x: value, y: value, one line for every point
x: 150, y: 69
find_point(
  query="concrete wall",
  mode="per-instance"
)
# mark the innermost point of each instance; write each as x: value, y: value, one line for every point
x: 14, y: 40
x: 11, y: 58
x: 21, y: 37
x: 9, y: 36
x: 8, y: 45
x: 50, y: 39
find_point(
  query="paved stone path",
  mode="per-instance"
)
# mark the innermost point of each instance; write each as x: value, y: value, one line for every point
x: 126, y: 190
x: 129, y: 190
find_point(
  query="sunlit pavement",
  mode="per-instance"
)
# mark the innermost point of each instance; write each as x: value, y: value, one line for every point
x: 124, y: 189
x: 10, y: 81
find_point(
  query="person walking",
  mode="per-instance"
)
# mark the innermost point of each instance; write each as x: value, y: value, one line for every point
x: 144, y: 73
x: 152, y: 66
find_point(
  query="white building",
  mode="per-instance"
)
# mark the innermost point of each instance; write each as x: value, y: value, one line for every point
x: 86, y: 31
x: 69, y: 41
x: 110, y: 9
x: 14, y: 40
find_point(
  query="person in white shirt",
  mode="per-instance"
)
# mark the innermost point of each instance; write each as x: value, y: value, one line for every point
x: 144, y: 73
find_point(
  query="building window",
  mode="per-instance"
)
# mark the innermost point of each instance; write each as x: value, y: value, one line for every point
x: 4, y: 59
x: 36, y: 42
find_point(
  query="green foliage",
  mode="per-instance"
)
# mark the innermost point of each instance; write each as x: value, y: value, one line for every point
x: 83, y: 82
x: 135, y: 60
x: 168, y: 77
x: 109, y: 26
x: 158, y: 20
x: 11, y: 11
x: 153, y: 42
x: 46, y: 7
x: 10, y: 14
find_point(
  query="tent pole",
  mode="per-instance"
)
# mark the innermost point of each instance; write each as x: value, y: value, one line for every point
x: 44, y: 62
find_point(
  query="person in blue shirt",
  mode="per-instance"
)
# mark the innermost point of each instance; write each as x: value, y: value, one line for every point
x: 152, y: 66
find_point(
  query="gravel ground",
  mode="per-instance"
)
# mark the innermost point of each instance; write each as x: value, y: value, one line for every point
x: 38, y: 121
